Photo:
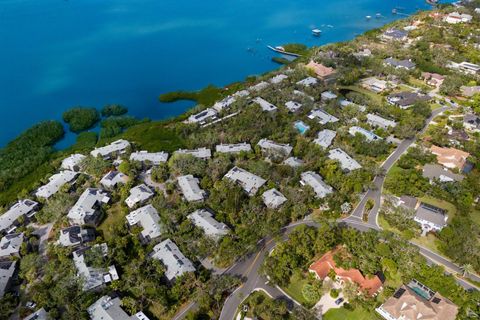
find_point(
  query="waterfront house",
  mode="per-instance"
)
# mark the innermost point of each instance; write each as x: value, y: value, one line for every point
x: 394, y: 35
x: 321, y: 71
x: 259, y: 86
x: 379, y: 122
x: 172, y: 258
x: 23, y: 208
x: 155, y: 158
x: 450, y: 157
x: 315, y: 181
x: 272, y: 148
x: 346, y: 162
x: 54, y: 184
x: 203, y: 116
x: 278, y: 78
x: 200, y: 153
x: 75, y: 236
x: 87, y: 208
x: 370, y: 136
x: 399, y: 64
x: 113, y: 179
x: 138, y: 195
x: 233, y: 148
x: 430, y: 218
x: 435, y: 172
x: 416, y: 301
x: 471, y: 122
x: 114, y: 148
x: 405, y: 99
x: 326, y: 266
x: 107, y: 308
x: 225, y: 103
x: 72, y: 162
x: 264, y: 104
x: 273, y: 198
x: 322, y: 116
x: 10, y: 245
x: 204, y: 220
x: 190, y: 188
x: 248, y: 181
x: 7, y: 270
x: 148, y: 219
x: 325, y: 138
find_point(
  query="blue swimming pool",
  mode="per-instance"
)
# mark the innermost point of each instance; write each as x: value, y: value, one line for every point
x: 301, y: 127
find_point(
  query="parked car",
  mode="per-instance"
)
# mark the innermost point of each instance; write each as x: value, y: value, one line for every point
x: 338, y: 301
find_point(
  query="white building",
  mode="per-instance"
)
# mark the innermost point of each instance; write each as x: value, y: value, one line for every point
x: 234, y: 148
x: 146, y: 217
x: 248, y: 181
x: 346, y: 162
x: 10, y: 245
x: 259, y: 86
x: 278, y: 78
x: 116, y: 147
x: 154, y: 158
x: 40, y: 314
x: 307, y: 82
x: 73, y: 162
x: 375, y: 84
x: 190, y: 187
x: 456, y: 17
x: 113, y: 178
x: 225, y: 103
x: 203, y: 117
x: 107, y: 308
x: 293, y: 106
x: 379, y: 122
x: 54, y: 184
x: 328, y: 95
x: 273, y: 198
x: 370, y: 136
x: 204, y: 219
x: 201, y: 153
x: 465, y: 67
x: 7, y: 270
x: 272, y: 147
x: 315, y: 181
x: 325, y: 138
x: 294, y: 162
x: 264, y: 104
x: 173, y: 259
x: 322, y: 116
x: 23, y: 208
x: 74, y: 236
x: 139, y: 195
x: 87, y: 208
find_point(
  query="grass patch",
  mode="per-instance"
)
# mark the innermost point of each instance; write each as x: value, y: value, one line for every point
x: 115, y: 216
x: 294, y: 289
x: 343, y: 314
x: 373, y: 96
x: 153, y: 136
x: 430, y: 241
x: 475, y: 215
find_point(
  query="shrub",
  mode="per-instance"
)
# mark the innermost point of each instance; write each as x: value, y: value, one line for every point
x: 80, y: 119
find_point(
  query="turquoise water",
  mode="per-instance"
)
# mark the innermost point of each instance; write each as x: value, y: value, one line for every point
x: 57, y: 54
x: 301, y: 127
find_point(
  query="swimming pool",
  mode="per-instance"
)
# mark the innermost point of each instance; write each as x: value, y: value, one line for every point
x: 301, y: 127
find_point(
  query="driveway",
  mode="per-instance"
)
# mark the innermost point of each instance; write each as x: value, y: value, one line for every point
x: 326, y: 302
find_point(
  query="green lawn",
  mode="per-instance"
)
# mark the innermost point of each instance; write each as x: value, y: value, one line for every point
x: 344, y: 314
x: 375, y: 97
x: 430, y: 241
x: 294, y: 289
x: 115, y: 216
x: 475, y: 215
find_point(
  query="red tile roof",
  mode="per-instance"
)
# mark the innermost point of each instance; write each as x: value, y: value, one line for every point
x: 326, y: 263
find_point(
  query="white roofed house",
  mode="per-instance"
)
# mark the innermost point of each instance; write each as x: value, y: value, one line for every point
x: 374, y: 84
x: 346, y: 162
x: 260, y: 86
x: 248, y: 181
x: 322, y: 116
x: 175, y: 262
x: 325, y: 138
x: 328, y: 95
x: 278, y: 78
x: 73, y: 162
x: 113, y: 178
x: 456, y: 17
x: 293, y: 162
x: 234, y: 148
x: 10, y: 245
x: 264, y: 104
x: 379, y: 122
x: 273, y: 149
x: 471, y: 122
x: 40, y: 314
x: 93, y: 277
x: 87, y: 209
x: 146, y: 217
x: 370, y: 136
x: 54, y: 184
x: 315, y: 181
x: 465, y: 67
x: 293, y: 106
x: 224, y: 103
x: 203, y: 219
x: 24, y: 208
x: 190, y: 188
x: 75, y: 236
x: 307, y: 82
x: 116, y: 147
x: 203, y: 117
x: 7, y: 270
x: 154, y: 158
x: 107, y: 308
x: 273, y: 198
x: 201, y: 153
x: 139, y: 195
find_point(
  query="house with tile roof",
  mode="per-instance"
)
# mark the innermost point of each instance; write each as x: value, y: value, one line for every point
x: 450, y: 157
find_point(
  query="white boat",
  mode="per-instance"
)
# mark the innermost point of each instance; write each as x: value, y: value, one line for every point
x: 281, y: 50
x: 316, y: 32
x: 368, y: 17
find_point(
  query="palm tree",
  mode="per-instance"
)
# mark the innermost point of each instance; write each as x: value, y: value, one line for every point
x: 467, y: 269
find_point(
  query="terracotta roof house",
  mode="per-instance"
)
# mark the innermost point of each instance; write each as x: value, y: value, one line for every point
x: 450, y: 157
x: 320, y: 70
x: 433, y: 79
x: 322, y: 267
x: 415, y: 301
